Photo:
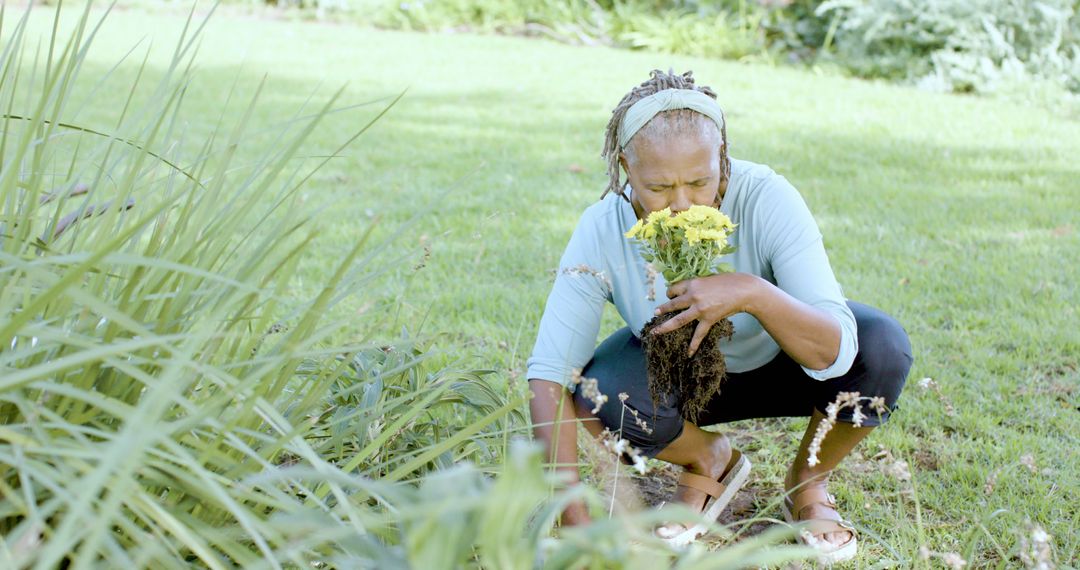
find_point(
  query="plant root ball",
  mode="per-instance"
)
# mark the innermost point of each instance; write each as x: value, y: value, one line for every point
x: 692, y: 380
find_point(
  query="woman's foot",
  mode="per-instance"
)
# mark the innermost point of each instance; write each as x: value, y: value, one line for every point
x: 808, y: 501
x: 714, y: 466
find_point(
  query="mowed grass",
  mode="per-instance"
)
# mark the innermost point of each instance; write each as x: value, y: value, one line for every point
x: 960, y: 216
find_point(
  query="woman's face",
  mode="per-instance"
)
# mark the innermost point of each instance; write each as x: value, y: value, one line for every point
x: 674, y: 172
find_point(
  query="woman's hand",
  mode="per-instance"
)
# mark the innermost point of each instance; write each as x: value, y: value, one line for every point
x: 707, y: 300
x: 575, y: 514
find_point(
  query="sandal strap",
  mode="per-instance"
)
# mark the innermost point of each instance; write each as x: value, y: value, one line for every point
x: 711, y: 487
x: 825, y: 526
x: 808, y: 496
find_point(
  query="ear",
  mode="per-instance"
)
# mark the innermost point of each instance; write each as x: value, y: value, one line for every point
x: 624, y: 163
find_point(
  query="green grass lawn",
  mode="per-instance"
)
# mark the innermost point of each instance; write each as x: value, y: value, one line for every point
x: 960, y: 216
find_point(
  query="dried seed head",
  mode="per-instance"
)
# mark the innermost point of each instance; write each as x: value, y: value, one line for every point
x: 819, y: 436
x: 619, y: 447
x: 650, y: 281
x: 1036, y: 550
x: 898, y: 470
x: 991, y: 482
x: 1028, y: 460
x: 642, y: 424
x: 857, y: 416
x: 929, y: 384
x: 639, y: 464
x: 953, y: 560
x: 590, y: 390
x: 623, y: 397
x: 843, y: 400
x: 586, y: 270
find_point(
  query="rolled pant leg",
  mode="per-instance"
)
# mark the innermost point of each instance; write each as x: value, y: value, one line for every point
x: 618, y: 366
x: 880, y: 368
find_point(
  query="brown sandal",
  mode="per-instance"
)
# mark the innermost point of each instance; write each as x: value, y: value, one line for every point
x: 718, y: 494
x: 829, y: 553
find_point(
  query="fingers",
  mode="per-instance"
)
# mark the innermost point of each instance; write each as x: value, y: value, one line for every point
x: 676, y: 289
x: 700, y: 333
x: 675, y: 304
x: 682, y: 319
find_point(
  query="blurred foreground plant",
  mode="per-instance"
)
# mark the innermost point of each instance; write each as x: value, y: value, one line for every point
x: 152, y: 402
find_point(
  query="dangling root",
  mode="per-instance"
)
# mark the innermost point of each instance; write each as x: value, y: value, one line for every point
x: 694, y: 380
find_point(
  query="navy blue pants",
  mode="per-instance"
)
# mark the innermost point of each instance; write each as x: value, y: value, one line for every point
x: 778, y: 389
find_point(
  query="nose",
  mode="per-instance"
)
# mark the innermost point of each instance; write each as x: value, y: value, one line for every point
x: 680, y: 200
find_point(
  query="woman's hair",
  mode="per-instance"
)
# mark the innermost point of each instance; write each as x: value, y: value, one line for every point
x: 682, y: 120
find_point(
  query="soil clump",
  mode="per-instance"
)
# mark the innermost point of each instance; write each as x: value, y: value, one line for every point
x: 693, y: 381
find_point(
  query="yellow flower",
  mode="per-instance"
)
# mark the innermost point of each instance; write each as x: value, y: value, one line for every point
x: 676, y: 221
x: 658, y: 216
x: 719, y: 236
x: 697, y: 214
x: 648, y: 231
x: 693, y: 235
x: 706, y: 217
x: 686, y: 244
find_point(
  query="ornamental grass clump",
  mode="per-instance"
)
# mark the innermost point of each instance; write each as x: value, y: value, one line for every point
x: 684, y: 246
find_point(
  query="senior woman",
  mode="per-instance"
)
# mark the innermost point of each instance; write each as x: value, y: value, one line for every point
x: 797, y: 343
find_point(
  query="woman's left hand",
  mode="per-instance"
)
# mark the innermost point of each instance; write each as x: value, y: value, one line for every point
x: 707, y: 300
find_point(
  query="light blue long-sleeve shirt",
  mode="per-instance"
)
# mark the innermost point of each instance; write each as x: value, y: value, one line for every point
x: 776, y: 239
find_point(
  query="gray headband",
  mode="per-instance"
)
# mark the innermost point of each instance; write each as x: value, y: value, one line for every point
x: 646, y: 108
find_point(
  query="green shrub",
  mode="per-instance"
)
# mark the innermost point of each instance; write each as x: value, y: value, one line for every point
x: 960, y: 45
x: 708, y: 33
x: 794, y: 30
x: 704, y: 29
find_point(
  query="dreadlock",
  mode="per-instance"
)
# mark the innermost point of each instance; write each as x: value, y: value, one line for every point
x: 658, y: 82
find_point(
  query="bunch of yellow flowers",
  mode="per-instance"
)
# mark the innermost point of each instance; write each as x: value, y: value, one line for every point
x: 686, y: 245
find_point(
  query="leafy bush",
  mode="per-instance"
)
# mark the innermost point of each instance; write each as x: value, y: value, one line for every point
x: 390, y: 417
x: 960, y: 45
x: 794, y: 29
x: 708, y: 33
x: 705, y: 29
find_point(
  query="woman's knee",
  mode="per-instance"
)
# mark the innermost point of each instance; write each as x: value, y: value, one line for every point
x: 650, y: 434
x: 884, y: 350
x: 618, y: 370
x: 636, y: 422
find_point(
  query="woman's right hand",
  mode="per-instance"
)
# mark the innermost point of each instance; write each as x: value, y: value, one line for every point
x: 555, y: 426
x: 575, y: 514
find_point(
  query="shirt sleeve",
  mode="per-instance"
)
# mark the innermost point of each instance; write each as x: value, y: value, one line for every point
x: 571, y: 321
x: 794, y: 249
